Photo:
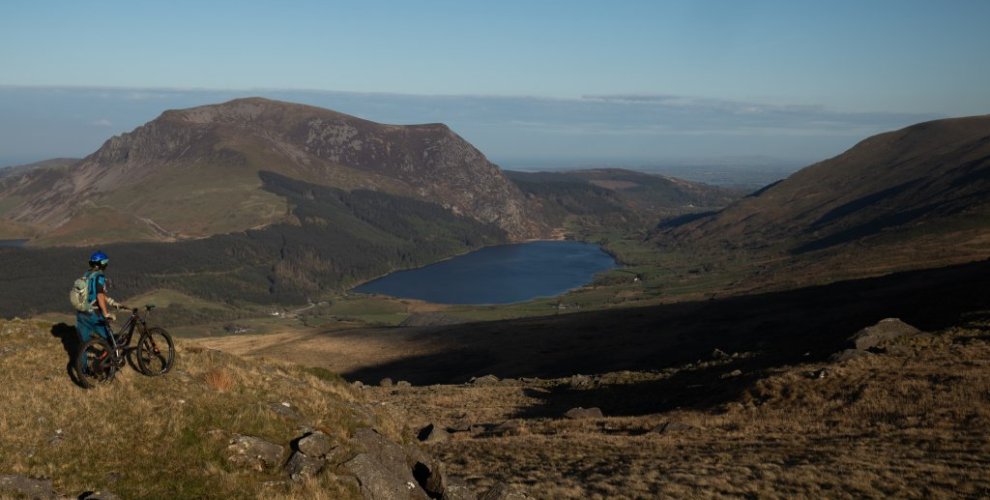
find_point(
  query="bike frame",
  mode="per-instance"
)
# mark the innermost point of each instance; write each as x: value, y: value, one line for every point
x: 120, y: 341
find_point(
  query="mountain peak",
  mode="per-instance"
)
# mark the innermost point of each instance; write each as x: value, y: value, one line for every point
x: 210, y: 157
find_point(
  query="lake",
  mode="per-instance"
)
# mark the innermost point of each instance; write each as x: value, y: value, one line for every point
x: 12, y: 243
x: 499, y: 275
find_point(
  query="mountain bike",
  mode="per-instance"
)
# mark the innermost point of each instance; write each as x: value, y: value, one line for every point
x: 99, y: 358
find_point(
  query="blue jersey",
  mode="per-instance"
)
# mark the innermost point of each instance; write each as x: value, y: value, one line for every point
x: 97, y: 283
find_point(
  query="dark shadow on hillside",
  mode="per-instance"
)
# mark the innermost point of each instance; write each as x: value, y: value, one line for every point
x: 779, y: 328
x: 699, y: 389
x: 70, y: 343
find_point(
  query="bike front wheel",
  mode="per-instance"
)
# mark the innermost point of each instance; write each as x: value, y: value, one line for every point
x: 95, y: 364
x: 155, y: 352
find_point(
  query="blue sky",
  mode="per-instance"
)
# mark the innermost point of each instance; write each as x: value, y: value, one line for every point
x: 628, y: 81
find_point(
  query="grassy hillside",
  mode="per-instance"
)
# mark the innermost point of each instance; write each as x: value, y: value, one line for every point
x: 910, y: 422
x: 335, y: 240
x: 913, y: 198
x: 587, y: 202
x: 734, y: 397
x: 164, y: 437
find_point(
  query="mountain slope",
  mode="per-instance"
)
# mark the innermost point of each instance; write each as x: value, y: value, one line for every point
x: 928, y: 181
x: 195, y: 172
x: 615, y: 198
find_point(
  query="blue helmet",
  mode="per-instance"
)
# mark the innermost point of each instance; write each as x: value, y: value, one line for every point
x: 99, y: 258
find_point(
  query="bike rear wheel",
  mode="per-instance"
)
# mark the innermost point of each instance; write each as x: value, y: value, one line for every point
x: 155, y: 352
x: 95, y: 364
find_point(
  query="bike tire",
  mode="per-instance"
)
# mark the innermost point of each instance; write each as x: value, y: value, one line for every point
x: 155, y: 352
x: 94, y: 363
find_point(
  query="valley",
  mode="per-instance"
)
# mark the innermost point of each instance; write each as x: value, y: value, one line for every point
x: 717, y: 356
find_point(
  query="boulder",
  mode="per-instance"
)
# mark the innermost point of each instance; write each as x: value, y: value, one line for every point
x: 315, y: 444
x: 886, y: 329
x: 385, y: 382
x: 433, y: 434
x: 285, y: 409
x: 20, y: 486
x: 382, y: 468
x: 300, y: 466
x: 485, y: 380
x: 253, y: 453
x: 582, y: 413
x: 431, y: 477
x: 379, y: 482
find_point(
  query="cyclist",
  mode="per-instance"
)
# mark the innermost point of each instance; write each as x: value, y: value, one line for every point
x: 98, y: 319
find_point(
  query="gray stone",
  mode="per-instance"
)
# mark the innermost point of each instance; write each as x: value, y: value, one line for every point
x: 26, y: 487
x: 253, y: 453
x: 431, y: 477
x: 285, y: 409
x: 433, y: 434
x: 719, y: 354
x: 385, y: 382
x: 300, y: 466
x: 349, y: 480
x: 377, y: 481
x: 485, y: 380
x: 382, y: 468
x: 582, y: 413
x: 732, y: 374
x: 503, y: 491
x: 316, y: 445
x: 886, y: 329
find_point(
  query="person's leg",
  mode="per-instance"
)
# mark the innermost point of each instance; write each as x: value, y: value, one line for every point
x: 84, y: 326
x: 103, y: 328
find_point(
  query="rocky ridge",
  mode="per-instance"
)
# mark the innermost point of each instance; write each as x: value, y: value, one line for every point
x: 217, y: 151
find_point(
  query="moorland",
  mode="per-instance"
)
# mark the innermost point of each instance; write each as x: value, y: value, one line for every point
x: 714, y: 355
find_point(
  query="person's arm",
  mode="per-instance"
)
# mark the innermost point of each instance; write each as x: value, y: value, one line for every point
x: 101, y: 301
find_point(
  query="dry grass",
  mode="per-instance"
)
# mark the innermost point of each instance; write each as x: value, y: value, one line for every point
x: 143, y: 437
x: 914, y: 422
x: 219, y: 379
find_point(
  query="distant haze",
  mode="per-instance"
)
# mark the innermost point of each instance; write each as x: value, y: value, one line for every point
x: 526, y: 133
